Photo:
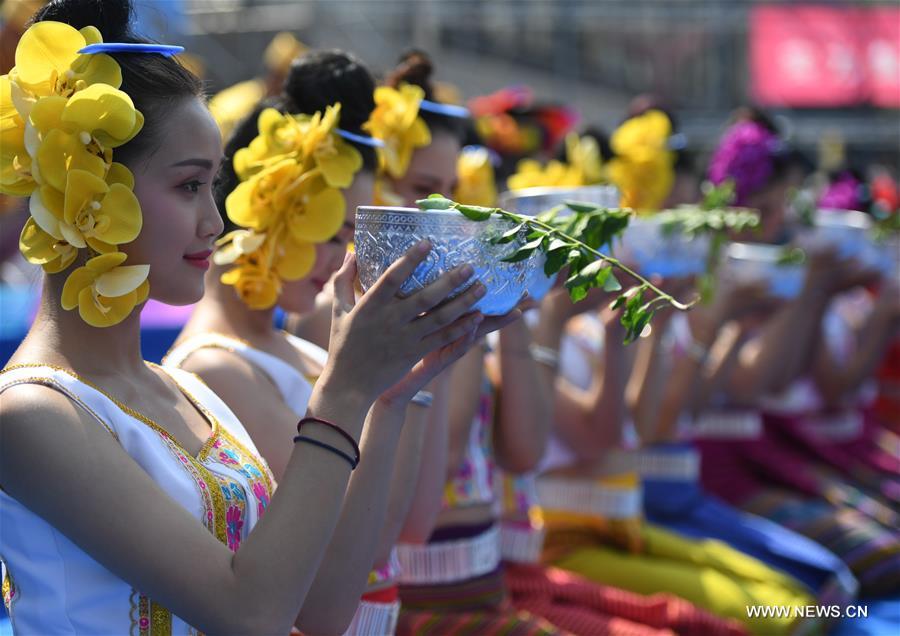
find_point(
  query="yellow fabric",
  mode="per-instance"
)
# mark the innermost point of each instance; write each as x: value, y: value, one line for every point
x: 708, y: 573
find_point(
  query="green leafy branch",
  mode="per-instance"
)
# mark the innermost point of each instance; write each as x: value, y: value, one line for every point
x: 574, y: 240
x: 713, y: 217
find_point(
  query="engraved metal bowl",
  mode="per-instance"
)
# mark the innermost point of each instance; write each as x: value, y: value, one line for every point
x: 655, y: 252
x: 758, y: 262
x: 534, y: 201
x: 384, y: 234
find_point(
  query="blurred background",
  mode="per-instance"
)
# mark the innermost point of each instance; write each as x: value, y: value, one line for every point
x: 829, y: 70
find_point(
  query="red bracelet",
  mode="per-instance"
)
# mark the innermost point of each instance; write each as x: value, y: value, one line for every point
x: 335, y: 428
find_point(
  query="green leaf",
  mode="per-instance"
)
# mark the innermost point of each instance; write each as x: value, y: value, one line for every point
x: 611, y: 283
x: 435, y: 202
x: 520, y: 254
x: 579, y: 206
x: 510, y: 235
x: 475, y: 212
x: 556, y: 260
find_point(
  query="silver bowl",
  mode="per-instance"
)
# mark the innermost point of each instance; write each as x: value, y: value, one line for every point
x: 653, y: 252
x: 534, y: 201
x: 847, y: 231
x: 758, y: 263
x: 384, y: 234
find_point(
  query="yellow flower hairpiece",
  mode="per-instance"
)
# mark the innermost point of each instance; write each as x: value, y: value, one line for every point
x: 583, y: 166
x: 61, y: 116
x: 643, y: 166
x: 288, y: 200
x: 396, y: 122
x: 476, y: 184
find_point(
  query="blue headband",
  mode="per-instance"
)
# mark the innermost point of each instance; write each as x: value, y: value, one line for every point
x: 360, y: 139
x: 128, y: 47
x: 449, y: 110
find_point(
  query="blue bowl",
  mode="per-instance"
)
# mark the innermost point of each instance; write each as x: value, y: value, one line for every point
x: 384, y: 234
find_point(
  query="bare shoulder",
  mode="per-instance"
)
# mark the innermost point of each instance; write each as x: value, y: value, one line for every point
x: 234, y: 379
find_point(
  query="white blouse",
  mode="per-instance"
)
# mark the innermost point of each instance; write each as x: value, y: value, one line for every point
x: 51, y: 586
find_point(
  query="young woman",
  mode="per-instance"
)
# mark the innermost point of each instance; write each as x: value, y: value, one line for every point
x: 790, y: 360
x: 131, y: 491
x: 262, y: 371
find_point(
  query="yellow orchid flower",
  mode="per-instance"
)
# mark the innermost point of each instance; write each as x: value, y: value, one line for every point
x: 396, y: 122
x: 292, y: 259
x: 279, y: 136
x: 475, y: 178
x: 104, y: 290
x: 90, y: 212
x: 257, y: 286
x: 583, y: 156
x: 48, y: 62
x: 40, y: 248
x: 15, y: 162
x: 236, y: 244
x: 530, y: 174
x: 643, y: 167
x: 79, y: 132
x: 314, y: 212
x: 337, y: 159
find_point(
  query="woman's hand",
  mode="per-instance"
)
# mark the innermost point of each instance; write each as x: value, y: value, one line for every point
x: 829, y: 274
x: 383, y: 339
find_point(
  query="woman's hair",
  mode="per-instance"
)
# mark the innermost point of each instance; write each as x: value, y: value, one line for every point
x: 415, y: 68
x: 315, y: 81
x: 322, y: 78
x: 155, y: 83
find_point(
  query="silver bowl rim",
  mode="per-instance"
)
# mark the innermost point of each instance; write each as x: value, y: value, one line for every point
x: 540, y: 191
x: 415, y: 211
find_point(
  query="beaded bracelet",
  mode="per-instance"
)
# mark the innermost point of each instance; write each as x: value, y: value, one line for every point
x: 335, y: 428
x: 309, y: 440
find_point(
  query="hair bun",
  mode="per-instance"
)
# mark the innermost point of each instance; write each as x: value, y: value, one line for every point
x: 111, y: 17
x: 415, y: 67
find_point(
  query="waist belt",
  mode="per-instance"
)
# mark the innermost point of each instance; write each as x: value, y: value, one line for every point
x: 450, y: 561
x: 727, y: 425
x: 681, y: 465
x: 374, y: 619
x: 589, y: 497
x: 521, y: 543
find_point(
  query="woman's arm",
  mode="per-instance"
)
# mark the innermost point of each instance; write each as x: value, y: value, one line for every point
x: 84, y: 474
x: 836, y: 381
x: 524, y: 413
x: 590, y: 421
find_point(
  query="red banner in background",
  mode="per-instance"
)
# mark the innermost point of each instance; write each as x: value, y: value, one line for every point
x: 883, y: 56
x: 814, y: 56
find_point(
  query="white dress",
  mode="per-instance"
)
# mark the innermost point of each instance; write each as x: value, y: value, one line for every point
x: 371, y: 618
x: 53, y: 587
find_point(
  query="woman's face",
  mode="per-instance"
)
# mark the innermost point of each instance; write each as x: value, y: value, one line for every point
x: 180, y: 220
x: 299, y: 296
x: 771, y: 202
x: 431, y: 169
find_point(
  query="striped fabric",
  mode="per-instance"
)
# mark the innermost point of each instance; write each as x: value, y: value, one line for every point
x: 478, y: 606
x: 872, y: 551
x: 374, y: 619
x: 587, y: 608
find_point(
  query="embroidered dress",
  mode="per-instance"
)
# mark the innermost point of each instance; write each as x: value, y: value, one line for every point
x: 596, y: 529
x: 454, y: 584
x: 378, y: 609
x: 226, y: 487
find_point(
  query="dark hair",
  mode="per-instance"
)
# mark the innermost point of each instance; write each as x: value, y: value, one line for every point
x: 415, y: 67
x: 154, y: 82
x: 322, y: 78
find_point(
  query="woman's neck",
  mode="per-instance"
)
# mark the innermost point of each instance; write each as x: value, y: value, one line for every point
x: 222, y: 310
x: 61, y: 337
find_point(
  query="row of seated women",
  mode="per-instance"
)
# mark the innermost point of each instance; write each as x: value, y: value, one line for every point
x: 450, y: 472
